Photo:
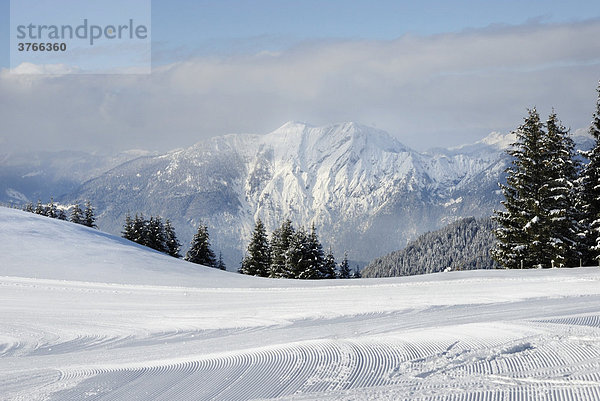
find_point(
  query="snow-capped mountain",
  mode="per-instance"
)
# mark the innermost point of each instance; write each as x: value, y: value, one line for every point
x: 364, y: 191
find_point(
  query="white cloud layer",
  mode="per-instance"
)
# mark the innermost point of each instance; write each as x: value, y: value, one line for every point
x: 428, y: 91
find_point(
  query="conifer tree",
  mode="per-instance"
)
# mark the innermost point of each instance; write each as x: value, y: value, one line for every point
x: 589, y: 194
x: 172, y: 244
x: 39, y: 208
x: 299, y: 263
x: 344, y: 268
x: 316, y: 257
x: 280, y: 244
x: 200, y: 251
x: 558, y: 195
x: 76, y: 214
x: 89, y: 219
x: 128, y: 230
x: 329, y: 266
x: 220, y: 263
x: 139, y: 230
x: 356, y: 273
x: 522, y: 237
x: 29, y: 207
x: 51, y: 210
x: 257, y: 260
x: 155, y: 235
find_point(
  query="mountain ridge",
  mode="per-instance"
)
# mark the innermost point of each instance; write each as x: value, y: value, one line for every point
x: 364, y: 190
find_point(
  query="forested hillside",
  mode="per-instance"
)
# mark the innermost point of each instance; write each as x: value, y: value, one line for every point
x: 463, y: 245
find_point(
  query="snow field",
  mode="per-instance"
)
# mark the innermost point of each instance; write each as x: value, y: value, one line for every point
x: 132, y: 324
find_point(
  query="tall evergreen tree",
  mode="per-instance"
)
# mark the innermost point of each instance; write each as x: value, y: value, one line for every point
x: 128, y: 230
x: 29, y: 207
x: 356, y: 273
x: 299, y: 263
x: 89, y: 219
x: 200, y: 251
x: 155, y: 235
x: 344, y: 268
x: 329, y: 266
x: 522, y: 237
x: 171, y: 242
x: 76, y: 214
x: 51, y: 210
x: 589, y: 194
x: 258, y: 259
x: 558, y: 195
x: 316, y: 256
x: 139, y: 230
x: 280, y: 244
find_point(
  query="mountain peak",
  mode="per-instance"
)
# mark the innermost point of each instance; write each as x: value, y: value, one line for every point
x: 501, y: 141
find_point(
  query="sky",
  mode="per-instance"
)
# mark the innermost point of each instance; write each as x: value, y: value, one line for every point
x: 431, y: 73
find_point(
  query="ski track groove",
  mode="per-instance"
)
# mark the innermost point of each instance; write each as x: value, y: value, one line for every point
x: 564, y: 366
x: 333, y: 366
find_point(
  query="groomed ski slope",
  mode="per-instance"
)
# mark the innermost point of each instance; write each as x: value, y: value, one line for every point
x: 88, y: 316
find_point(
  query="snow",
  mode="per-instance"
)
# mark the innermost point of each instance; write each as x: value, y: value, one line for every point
x: 85, y: 315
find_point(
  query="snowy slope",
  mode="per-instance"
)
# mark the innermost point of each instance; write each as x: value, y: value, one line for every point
x: 365, y: 191
x: 132, y: 324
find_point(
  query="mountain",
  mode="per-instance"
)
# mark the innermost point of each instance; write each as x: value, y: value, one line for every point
x: 462, y: 245
x: 27, y: 177
x: 365, y: 192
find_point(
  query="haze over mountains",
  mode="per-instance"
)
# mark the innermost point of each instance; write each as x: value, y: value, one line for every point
x: 365, y: 191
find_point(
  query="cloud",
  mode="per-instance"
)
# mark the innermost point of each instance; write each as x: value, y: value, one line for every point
x: 438, y: 90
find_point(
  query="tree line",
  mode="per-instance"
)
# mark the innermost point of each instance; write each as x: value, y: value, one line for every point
x: 161, y: 237
x: 291, y: 253
x: 551, y: 215
x: 77, y: 215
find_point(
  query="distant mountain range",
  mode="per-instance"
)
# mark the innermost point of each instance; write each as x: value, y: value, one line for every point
x: 366, y: 193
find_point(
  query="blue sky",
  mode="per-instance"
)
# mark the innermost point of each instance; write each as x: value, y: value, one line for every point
x: 187, y: 28
x: 249, y: 66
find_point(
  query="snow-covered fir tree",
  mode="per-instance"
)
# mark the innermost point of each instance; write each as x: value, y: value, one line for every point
x: 39, y: 208
x: 539, y: 227
x: 316, y: 257
x: 589, y: 195
x: 155, y: 234
x: 280, y: 244
x: 298, y: 263
x: 521, y: 234
x: 345, y: 268
x: 128, y: 230
x: 51, y: 210
x: 257, y: 261
x: 558, y: 195
x: 172, y: 244
x: 76, y: 214
x: 200, y: 251
x: 89, y: 219
x: 329, y: 266
x: 356, y: 273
